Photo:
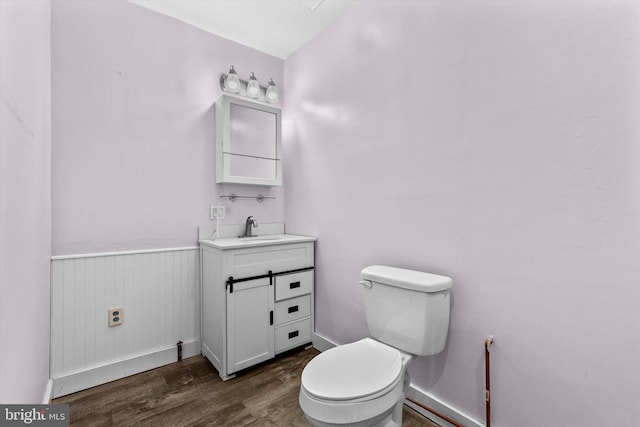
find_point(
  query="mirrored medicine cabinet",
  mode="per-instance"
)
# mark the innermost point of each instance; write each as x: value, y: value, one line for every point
x: 248, y: 142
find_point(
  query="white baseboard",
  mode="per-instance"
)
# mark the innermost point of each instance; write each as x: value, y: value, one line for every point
x: 322, y: 344
x: 83, y: 380
x: 439, y: 406
x: 46, y: 398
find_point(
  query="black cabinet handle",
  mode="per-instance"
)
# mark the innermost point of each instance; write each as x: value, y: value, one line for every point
x: 293, y: 334
x: 294, y: 285
x: 271, y: 317
x: 293, y: 309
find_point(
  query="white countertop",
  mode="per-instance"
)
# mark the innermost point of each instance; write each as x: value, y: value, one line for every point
x: 264, y: 240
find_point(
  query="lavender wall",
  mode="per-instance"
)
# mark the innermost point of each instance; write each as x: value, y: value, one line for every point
x: 25, y: 200
x: 496, y: 143
x: 133, y: 128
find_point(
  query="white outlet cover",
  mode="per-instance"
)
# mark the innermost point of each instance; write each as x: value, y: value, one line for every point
x: 216, y: 212
x: 116, y: 316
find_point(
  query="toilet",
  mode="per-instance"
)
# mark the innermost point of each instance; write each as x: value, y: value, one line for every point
x: 364, y: 383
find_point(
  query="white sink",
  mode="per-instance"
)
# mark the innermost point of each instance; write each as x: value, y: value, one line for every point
x: 266, y: 239
x: 260, y: 238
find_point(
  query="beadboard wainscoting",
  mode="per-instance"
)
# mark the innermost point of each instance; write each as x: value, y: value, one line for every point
x: 159, y: 292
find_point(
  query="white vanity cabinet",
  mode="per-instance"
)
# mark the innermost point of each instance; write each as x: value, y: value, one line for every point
x: 257, y: 300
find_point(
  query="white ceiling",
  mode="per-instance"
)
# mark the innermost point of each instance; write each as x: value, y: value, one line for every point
x: 276, y: 27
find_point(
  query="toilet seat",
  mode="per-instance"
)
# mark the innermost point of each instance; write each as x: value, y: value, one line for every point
x: 358, y: 371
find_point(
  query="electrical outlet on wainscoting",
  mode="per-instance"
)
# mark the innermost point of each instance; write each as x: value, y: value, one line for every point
x: 116, y: 316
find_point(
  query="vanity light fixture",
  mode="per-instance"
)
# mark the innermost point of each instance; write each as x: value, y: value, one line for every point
x: 253, y: 88
x: 231, y: 82
x: 271, y: 93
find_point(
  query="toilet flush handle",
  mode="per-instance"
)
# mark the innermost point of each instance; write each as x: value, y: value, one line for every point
x: 367, y: 284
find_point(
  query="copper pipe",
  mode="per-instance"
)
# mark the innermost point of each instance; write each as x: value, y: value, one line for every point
x: 433, y: 411
x: 487, y: 391
x: 487, y: 379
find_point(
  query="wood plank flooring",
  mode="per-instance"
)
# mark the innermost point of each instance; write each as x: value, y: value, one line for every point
x: 190, y: 393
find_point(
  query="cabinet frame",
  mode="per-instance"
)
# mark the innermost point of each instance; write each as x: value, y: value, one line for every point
x: 224, y: 151
x: 227, y: 272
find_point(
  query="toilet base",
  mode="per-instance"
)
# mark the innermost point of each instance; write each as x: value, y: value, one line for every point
x: 366, y: 412
x: 392, y: 417
x: 389, y: 418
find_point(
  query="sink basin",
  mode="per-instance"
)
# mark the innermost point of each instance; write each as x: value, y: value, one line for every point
x: 263, y: 240
x: 260, y: 238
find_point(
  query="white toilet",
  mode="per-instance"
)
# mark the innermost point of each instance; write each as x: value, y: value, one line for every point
x: 364, y: 383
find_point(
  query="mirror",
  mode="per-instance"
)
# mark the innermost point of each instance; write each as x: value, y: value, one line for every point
x: 248, y: 142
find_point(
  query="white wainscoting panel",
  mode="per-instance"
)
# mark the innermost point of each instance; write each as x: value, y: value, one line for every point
x: 159, y: 292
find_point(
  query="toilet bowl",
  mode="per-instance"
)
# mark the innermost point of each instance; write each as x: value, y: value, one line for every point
x: 358, y: 384
x: 364, y: 383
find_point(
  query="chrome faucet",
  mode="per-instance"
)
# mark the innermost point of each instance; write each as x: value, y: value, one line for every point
x: 247, y: 227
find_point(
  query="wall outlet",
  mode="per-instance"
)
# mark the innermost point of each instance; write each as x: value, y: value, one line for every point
x: 216, y: 212
x: 116, y: 316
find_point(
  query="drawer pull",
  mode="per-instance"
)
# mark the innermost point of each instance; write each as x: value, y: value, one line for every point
x: 293, y: 334
x: 294, y: 285
x: 293, y: 309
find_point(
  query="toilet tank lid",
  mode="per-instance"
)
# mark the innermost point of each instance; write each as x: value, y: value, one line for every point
x: 408, y: 279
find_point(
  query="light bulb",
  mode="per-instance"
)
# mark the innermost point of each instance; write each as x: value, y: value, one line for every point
x: 232, y: 82
x: 253, y: 88
x: 272, y: 92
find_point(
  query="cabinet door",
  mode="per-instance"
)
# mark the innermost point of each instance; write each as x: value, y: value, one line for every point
x: 250, y: 333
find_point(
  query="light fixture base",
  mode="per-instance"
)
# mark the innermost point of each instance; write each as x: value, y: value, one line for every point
x: 242, y: 90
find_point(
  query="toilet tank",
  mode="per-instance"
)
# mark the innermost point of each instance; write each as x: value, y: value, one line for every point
x: 407, y: 309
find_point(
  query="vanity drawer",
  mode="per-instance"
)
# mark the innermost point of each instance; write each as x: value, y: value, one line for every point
x: 294, y: 284
x: 293, y: 334
x: 256, y: 261
x: 292, y: 309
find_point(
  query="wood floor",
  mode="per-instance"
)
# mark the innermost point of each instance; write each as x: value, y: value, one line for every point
x: 190, y: 393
